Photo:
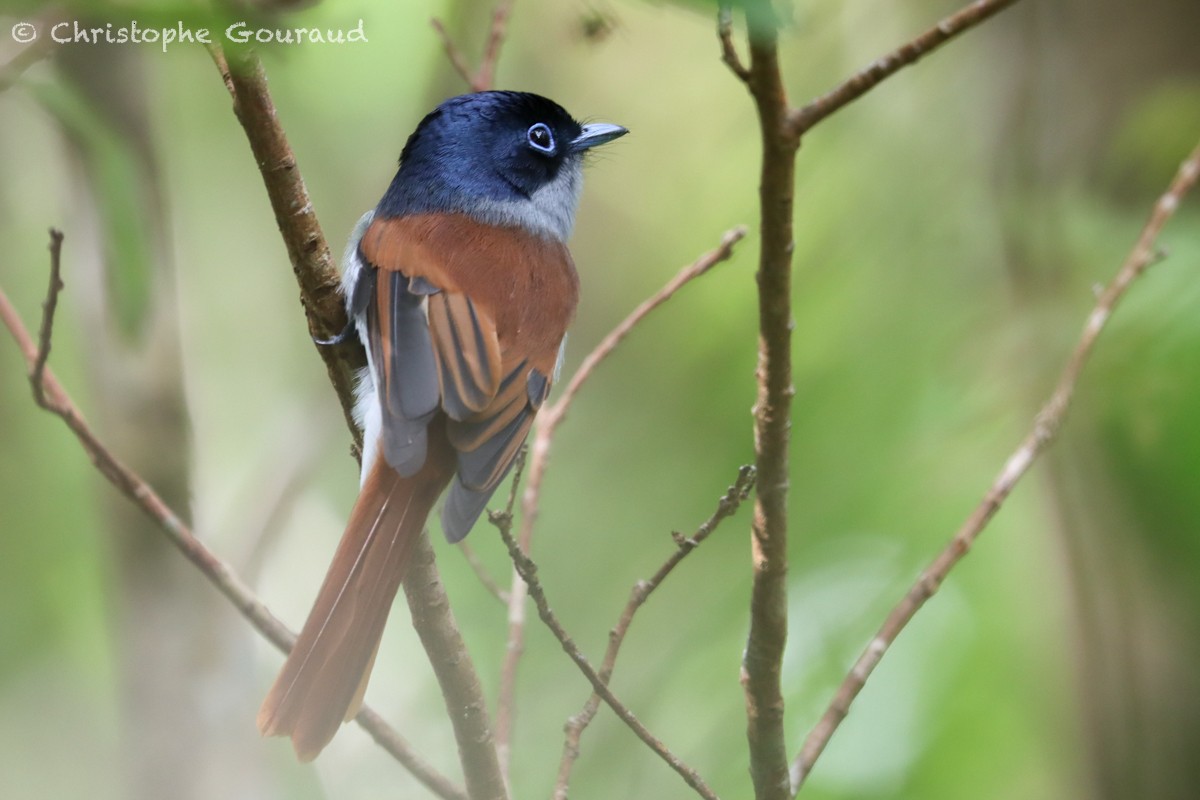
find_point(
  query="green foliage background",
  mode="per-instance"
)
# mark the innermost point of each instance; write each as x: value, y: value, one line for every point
x: 949, y: 230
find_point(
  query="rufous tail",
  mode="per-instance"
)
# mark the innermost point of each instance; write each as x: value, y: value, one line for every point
x: 323, y: 679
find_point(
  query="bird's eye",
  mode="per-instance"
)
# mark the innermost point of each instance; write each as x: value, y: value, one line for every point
x: 540, y: 138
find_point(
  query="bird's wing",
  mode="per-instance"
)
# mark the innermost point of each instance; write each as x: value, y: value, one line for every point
x: 436, y: 348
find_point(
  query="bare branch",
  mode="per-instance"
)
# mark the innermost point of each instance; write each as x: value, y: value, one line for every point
x: 391, y: 741
x: 528, y: 572
x: 505, y: 709
x: 762, y: 660
x: 485, y: 76
x: 1045, y: 429
x: 466, y: 705
x: 457, y: 59
x: 729, y: 53
x: 312, y: 263
x: 49, y: 306
x: 485, y: 578
x: 12, y: 70
x: 727, y: 506
x: 547, y: 423
x: 55, y: 399
x: 278, y: 484
x: 513, y: 650
x: 552, y: 416
x: 482, y: 573
x: 802, y: 119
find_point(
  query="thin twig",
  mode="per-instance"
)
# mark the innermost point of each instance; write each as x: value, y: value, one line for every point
x: 49, y: 306
x: 729, y: 53
x: 505, y: 710
x: 528, y: 572
x: 483, y: 78
x: 54, y: 399
x: 457, y: 59
x: 1045, y: 429
x: 276, y: 489
x: 547, y: 423
x: 513, y: 650
x: 802, y: 119
x: 486, y: 76
x: 553, y: 415
x: 481, y: 572
x: 727, y: 506
x: 12, y: 70
x: 392, y: 742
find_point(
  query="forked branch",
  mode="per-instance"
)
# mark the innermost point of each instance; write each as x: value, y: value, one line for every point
x: 484, y: 77
x: 528, y: 573
x: 727, y: 506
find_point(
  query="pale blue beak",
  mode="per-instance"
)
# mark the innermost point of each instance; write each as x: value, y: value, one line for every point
x: 596, y: 134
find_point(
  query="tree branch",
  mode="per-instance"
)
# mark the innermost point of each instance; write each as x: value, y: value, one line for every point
x: 465, y: 704
x: 763, y: 658
x: 782, y: 127
x: 482, y: 574
x: 49, y: 306
x: 729, y: 53
x: 312, y: 263
x: 51, y: 396
x: 505, y: 712
x: 1045, y: 429
x: 727, y: 506
x: 800, y: 120
x: 455, y: 56
x: 547, y: 423
x: 527, y: 570
x: 552, y: 416
x: 485, y: 76
x: 12, y: 70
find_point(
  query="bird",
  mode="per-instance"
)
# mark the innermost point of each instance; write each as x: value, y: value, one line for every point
x: 460, y: 286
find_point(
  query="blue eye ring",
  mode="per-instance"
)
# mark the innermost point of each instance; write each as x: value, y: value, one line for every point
x: 541, y: 138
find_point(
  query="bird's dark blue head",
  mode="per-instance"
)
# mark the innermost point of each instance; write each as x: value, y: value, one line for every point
x: 506, y: 158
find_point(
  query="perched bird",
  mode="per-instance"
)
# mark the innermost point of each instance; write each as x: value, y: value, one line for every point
x: 461, y: 288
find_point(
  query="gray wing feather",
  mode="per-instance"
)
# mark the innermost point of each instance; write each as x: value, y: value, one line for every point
x: 463, y: 507
x: 408, y: 386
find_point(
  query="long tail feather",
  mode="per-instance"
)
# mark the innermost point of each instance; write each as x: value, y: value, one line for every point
x: 323, y: 680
